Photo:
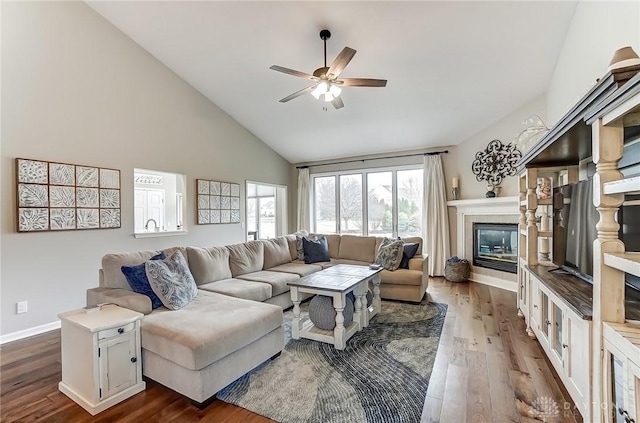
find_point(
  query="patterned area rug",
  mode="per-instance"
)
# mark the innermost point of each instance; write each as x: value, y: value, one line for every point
x: 380, y: 377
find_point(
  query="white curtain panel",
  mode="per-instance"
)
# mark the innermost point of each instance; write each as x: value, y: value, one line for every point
x: 304, y: 208
x: 435, y: 216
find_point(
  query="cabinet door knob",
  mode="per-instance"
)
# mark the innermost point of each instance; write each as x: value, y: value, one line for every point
x: 547, y: 322
x: 120, y: 330
x: 535, y: 306
x: 134, y: 359
x: 565, y: 346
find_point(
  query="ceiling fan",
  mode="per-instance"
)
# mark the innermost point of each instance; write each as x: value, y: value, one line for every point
x: 327, y: 84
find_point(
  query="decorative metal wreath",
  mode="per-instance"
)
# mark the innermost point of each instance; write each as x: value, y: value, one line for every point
x: 496, y: 162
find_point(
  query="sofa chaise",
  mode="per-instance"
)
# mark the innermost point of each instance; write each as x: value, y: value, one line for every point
x: 235, y: 322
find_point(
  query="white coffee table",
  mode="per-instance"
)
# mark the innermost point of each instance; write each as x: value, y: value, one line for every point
x: 336, y: 282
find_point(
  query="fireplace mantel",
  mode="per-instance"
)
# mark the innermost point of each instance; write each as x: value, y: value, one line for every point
x: 505, y: 206
x: 501, y: 205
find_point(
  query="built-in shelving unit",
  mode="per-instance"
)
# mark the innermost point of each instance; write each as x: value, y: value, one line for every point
x: 619, y: 337
x: 556, y: 307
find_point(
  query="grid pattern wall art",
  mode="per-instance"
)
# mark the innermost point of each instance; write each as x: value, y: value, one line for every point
x: 218, y: 202
x: 60, y: 196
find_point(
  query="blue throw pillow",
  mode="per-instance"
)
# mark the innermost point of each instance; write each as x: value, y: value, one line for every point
x: 315, y: 251
x: 409, y: 250
x: 138, y: 281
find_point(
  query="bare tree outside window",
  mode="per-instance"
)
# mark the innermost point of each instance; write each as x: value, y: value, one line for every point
x: 325, y: 204
x: 409, y: 202
x: 351, y: 204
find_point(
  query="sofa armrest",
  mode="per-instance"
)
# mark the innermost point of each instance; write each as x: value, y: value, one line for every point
x: 122, y: 297
x: 421, y: 263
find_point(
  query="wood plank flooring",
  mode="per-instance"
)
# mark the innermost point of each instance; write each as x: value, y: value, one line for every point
x: 486, y: 370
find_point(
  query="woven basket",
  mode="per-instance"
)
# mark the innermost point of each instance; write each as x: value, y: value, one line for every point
x: 457, y: 271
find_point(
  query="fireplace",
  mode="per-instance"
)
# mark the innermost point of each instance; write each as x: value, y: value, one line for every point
x: 495, y: 246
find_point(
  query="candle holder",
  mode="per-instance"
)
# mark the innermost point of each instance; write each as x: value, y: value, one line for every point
x: 454, y: 191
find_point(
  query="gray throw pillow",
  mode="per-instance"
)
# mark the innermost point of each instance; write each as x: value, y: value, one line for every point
x: 171, y: 281
x: 390, y: 253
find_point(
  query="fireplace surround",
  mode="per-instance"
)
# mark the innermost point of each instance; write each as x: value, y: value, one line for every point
x: 484, y: 210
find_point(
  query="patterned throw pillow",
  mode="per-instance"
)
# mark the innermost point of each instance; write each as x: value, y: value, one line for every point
x: 390, y: 253
x: 172, y: 281
x: 137, y: 279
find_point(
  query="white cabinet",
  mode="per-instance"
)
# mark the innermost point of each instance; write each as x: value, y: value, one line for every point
x: 101, y: 363
x: 566, y: 339
x: 622, y: 372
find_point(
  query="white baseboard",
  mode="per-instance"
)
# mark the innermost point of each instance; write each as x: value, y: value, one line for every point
x: 14, y: 336
x: 497, y: 282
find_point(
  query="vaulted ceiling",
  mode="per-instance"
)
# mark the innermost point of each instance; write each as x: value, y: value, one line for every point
x: 453, y: 68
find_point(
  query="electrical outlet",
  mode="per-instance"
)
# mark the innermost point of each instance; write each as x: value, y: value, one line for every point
x: 22, y: 307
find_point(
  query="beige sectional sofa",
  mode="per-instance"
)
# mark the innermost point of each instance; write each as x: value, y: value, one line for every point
x: 235, y: 321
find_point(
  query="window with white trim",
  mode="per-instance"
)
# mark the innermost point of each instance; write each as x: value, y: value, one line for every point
x: 376, y: 202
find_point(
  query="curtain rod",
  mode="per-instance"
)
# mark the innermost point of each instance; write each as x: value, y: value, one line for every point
x: 434, y: 153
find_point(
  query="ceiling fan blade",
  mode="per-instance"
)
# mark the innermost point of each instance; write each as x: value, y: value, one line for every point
x: 337, y: 103
x: 298, y: 94
x: 341, y: 62
x: 292, y: 72
x: 362, y: 82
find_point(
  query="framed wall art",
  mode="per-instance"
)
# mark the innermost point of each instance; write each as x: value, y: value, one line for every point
x: 55, y: 196
x: 217, y: 202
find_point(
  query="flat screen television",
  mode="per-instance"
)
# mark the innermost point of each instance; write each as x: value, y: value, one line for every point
x: 574, y: 230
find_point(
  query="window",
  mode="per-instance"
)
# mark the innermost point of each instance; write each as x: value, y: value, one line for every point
x: 371, y: 202
x: 159, y: 199
x: 266, y: 210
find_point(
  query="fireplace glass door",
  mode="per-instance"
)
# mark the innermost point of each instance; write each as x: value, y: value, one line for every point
x: 495, y: 246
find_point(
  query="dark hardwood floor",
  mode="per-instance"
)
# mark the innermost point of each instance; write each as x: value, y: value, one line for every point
x: 486, y: 370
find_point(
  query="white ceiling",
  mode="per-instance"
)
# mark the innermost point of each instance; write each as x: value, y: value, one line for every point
x: 453, y: 68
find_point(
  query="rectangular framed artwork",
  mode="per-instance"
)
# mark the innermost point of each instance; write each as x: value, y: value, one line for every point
x: 55, y: 196
x: 217, y: 202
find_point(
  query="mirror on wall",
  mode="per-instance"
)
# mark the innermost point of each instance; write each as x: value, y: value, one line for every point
x: 159, y: 201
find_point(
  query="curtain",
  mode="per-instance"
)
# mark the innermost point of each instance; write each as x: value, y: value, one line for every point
x: 435, y: 215
x: 304, y: 209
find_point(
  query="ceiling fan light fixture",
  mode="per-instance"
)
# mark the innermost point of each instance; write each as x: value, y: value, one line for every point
x: 328, y: 97
x: 335, y: 90
x: 320, y: 89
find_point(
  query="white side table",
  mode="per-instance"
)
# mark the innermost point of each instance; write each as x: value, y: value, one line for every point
x: 101, y: 360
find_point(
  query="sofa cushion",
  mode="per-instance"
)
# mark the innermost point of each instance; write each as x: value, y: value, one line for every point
x: 246, y: 258
x: 315, y: 250
x: 401, y: 277
x: 293, y: 245
x: 112, y: 276
x: 276, y: 252
x: 277, y: 280
x: 211, y: 327
x: 334, y: 244
x: 298, y: 267
x: 360, y: 248
x: 172, y: 281
x: 414, y: 239
x: 409, y: 250
x: 137, y: 279
x: 249, y: 290
x: 209, y: 264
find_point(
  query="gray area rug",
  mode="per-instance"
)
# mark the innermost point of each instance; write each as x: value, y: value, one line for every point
x: 381, y: 377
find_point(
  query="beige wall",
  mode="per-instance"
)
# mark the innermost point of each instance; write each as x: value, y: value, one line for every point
x: 505, y: 130
x: 597, y: 30
x: 76, y: 90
